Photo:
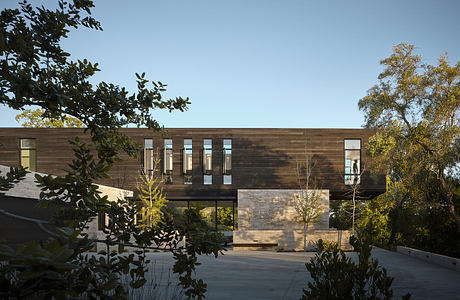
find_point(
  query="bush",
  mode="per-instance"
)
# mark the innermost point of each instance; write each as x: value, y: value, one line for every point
x: 336, y: 276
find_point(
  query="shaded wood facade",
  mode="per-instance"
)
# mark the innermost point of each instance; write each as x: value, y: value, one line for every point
x: 261, y: 158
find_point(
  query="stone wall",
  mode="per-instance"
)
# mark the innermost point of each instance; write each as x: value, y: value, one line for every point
x: 275, y: 210
x: 269, y: 217
x: 288, y: 240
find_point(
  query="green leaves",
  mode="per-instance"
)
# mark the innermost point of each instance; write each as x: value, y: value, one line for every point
x: 35, y: 70
x: 416, y: 109
x: 336, y: 276
x: 12, y: 177
x: 37, y: 118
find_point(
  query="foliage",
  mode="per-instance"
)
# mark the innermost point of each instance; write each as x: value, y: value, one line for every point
x: 151, y: 195
x: 36, y: 119
x: 395, y: 218
x: 336, y: 276
x: 225, y: 216
x: 308, y: 207
x: 416, y: 108
x: 36, y: 71
x: 341, y: 212
x: 31, y: 269
x: 12, y: 177
x: 199, y: 240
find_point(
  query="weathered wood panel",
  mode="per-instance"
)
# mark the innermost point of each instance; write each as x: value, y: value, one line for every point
x: 261, y: 157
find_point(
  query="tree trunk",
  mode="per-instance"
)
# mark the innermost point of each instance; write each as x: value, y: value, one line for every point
x: 305, y: 237
x: 353, y: 216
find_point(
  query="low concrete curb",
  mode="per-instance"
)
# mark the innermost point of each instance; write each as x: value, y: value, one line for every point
x: 441, y: 260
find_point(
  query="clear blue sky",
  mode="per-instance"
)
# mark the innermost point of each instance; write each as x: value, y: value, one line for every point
x: 260, y: 63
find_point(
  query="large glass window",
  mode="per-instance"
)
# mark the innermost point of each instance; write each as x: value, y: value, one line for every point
x: 226, y: 215
x: 227, y: 161
x: 207, y: 161
x: 168, y: 160
x: 352, y: 149
x: 219, y: 215
x: 177, y: 207
x: 28, y: 154
x: 148, y: 157
x: 208, y: 211
x: 187, y: 161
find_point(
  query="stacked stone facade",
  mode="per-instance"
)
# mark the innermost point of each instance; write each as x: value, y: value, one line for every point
x: 276, y: 210
x: 267, y: 219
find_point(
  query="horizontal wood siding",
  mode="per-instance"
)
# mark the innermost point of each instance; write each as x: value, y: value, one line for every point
x: 261, y: 158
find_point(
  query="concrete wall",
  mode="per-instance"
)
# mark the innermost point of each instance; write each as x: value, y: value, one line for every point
x: 28, y: 188
x: 21, y: 200
x: 275, y: 210
x: 441, y: 260
x: 23, y: 230
x: 289, y: 240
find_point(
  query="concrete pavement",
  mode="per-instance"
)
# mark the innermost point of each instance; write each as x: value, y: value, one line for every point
x: 282, y: 275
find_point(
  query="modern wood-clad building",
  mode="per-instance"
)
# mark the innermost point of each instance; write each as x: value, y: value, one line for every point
x: 210, y: 165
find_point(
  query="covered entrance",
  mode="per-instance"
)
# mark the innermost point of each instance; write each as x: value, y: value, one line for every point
x: 220, y: 215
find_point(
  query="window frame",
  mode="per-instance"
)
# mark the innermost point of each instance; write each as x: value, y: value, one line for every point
x: 207, y: 171
x: 167, y: 173
x: 225, y: 169
x: 227, y: 178
x: 351, y: 175
x: 145, y: 149
x: 185, y: 171
x: 34, y: 149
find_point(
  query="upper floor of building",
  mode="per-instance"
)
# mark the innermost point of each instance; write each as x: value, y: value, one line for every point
x: 213, y: 163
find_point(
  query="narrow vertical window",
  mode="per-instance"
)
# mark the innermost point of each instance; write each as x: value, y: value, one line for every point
x: 168, y: 160
x: 227, y: 161
x: 148, y: 157
x: 352, y: 149
x: 28, y: 154
x: 187, y: 161
x: 207, y: 161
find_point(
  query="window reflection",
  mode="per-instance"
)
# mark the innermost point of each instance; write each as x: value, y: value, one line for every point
x: 207, y: 161
x: 148, y: 156
x: 352, y: 161
x: 28, y: 154
x: 187, y: 161
x: 168, y: 160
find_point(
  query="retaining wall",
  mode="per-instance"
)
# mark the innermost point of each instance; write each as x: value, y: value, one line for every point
x: 288, y: 240
x: 438, y: 259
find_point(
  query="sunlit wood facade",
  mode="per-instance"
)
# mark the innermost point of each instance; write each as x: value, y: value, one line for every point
x: 260, y: 158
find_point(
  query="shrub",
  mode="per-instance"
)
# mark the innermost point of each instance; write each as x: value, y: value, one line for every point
x: 336, y: 276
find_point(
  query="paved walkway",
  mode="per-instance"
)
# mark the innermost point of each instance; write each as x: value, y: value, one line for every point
x: 273, y: 275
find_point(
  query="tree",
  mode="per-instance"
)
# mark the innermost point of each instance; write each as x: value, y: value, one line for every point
x: 151, y: 195
x: 307, y: 202
x: 397, y: 218
x: 37, y: 119
x: 354, y: 190
x: 340, y: 214
x: 416, y: 109
x: 36, y: 71
x: 387, y: 219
